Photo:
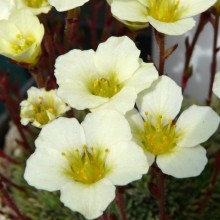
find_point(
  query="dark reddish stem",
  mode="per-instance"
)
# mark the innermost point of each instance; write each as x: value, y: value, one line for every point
x: 38, y: 76
x: 93, y: 21
x: 120, y: 203
x: 7, y: 158
x: 157, y: 189
x: 187, y: 72
x: 214, y: 58
x: 9, y: 202
x: 13, y: 109
x: 10, y: 183
x: 71, y: 26
x: 160, y: 38
x: 161, y: 184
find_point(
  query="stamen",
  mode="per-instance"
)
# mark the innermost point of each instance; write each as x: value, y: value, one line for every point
x: 22, y: 43
x: 166, y: 10
x: 160, y: 137
x: 89, y: 166
x: 35, y: 3
x: 105, y: 87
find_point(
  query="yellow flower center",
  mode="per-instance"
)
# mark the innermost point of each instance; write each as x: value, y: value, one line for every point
x: 88, y: 166
x: 159, y: 138
x: 105, y: 87
x: 166, y: 10
x: 35, y: 3
x: 22, y: 43
x: 42, y: 109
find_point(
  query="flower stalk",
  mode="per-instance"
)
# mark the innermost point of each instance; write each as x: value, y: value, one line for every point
x: 215, y: 50
x: 188, y: 71
x: 10, y: 203
x: 12, y: 106
x: 158, y: 189
x: 71, y: 26
x: 160, y: 38
x: 120, y: 202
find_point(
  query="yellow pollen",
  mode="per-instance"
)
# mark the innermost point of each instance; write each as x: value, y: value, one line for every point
x: 41, y: 109
x: 22, y: 43
x: 166, y: 10
x: 159, y: 138
x: 35, y: 3
x: 88, y: 166
x: 105, y: 87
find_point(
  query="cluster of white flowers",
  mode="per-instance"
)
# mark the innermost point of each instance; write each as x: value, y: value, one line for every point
x: 133, y: 121
x: 85, y: 161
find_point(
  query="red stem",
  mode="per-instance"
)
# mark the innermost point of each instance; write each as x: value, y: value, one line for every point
x: 157, y: 189
x: 214, y: 59
x: 10, y: 183
x: 161, y: 185
x: 6, y: 157
x: 160, y: 38
x: 204, y: 18
x: 71, y: 26
x: 12, y: 107
x: 120, y: 203
x: 9, y: 202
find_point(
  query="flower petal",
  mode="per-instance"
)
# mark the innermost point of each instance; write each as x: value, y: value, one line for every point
x: 197, y: 6
x: 105, y: 127
x: 143, y: 77
x: 67, y: 4
x: 122, y: 102
x: 7, y: 6
x: 129, y: 10
x: 196, y: 124
x: 77, y: 96
x: 74, y: 70
x: 216, y: 85
x: 90, y: 200
x: 76, y: 65
x: 183, y: 162
x: 135, y: 121
x: 128, y: 163
x: 164, y: 98
x: 63, y: 134
x: 44, y: 169
x: 19, y: 18
x: 172, y: 28
x: 137, y: 125
x: 110, y: 58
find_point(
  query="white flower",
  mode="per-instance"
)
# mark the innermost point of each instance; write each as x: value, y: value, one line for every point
x: 18, y: 39
x: 111, y: 77
x: 175, y: 145
x: 66, y: 5
x: 35, y: 6
x: 216, y: 85
x: 6, y: 7
x: 172, y: 17
x: 41, y: 107
x: 85, y: 161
